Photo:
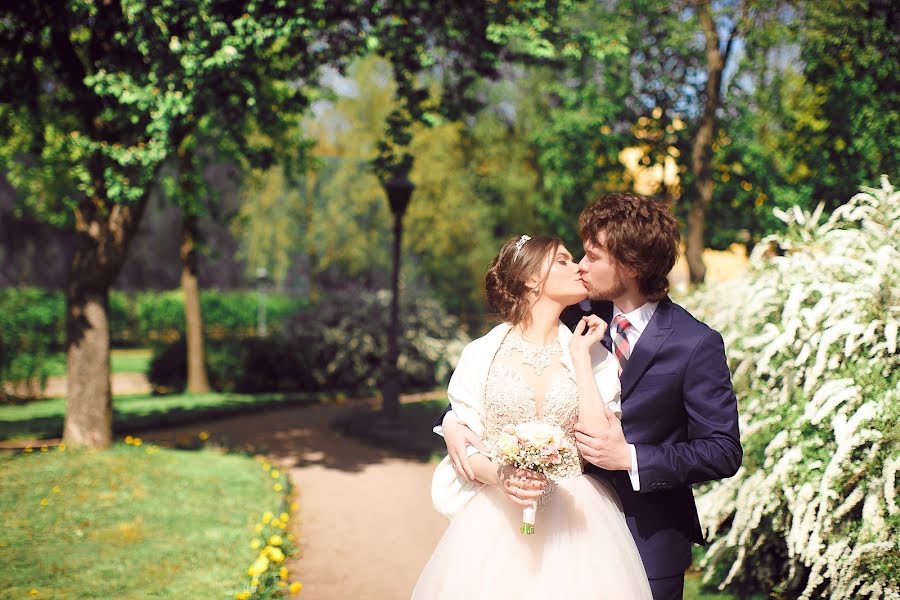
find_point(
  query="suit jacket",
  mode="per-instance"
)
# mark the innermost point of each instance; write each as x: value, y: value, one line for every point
x: 680, y: 412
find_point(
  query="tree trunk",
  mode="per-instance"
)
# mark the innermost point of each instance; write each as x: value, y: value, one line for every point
x: 198, y: 382
x: 89, y: 394
x: 701, y: 152
x: 103, y: 234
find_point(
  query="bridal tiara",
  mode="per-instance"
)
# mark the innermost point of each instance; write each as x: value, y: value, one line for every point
x: 519, y: 244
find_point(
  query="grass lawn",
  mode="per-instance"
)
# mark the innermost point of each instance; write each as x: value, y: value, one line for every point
x: 129, y: 523
x: 122, y: 360
x: 44, y: 418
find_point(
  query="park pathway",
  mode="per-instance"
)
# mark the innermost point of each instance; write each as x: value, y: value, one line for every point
x: 365, y: 524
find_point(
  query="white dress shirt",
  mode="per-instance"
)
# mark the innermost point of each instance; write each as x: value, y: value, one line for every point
x: 638, y: 319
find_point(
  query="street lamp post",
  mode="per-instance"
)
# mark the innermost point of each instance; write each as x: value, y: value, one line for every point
x: 261, y: 277
x: 398, y: 190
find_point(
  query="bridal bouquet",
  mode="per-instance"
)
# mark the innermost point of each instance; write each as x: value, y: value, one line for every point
x: 539, y: 447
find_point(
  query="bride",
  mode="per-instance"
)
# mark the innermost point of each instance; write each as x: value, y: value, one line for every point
x: 531, y: 367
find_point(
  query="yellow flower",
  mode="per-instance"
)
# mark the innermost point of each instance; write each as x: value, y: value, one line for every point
x: 296, y: 587
x: 267, y: 516
x: 258, y: 527
x: 283, y: 572
x: 275, y: 554
x: 275, y: 540
x: 277, y: 487
x: 292, y: 537
x: 62, y: 446
x: 254, y: 582
x: 33, y: 592
x: 55, y: 489
x: 294, y: 506
x: 284, y: 517
x: 27, y: 450
x: 275, y: 473
x: 266, y: 466
x: 259, y: 567
x: 254, y: 544
x: 203, y: 435
x: 43, y: 448
x: 281, y: 584
x: 242, y: 595
x: 44, y: 502
x: 138, y: 441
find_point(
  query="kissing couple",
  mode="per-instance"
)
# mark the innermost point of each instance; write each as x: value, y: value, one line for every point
x: 636, y: 384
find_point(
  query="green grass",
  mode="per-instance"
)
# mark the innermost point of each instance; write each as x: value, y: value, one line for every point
x: 122, y: 360
x: 129, y: 523
x: 44, y: 418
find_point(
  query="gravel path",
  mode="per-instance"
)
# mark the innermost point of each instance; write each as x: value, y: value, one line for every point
x: 365, y: 525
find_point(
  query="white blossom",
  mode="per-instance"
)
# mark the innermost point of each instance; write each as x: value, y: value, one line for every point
x: 811, y: 337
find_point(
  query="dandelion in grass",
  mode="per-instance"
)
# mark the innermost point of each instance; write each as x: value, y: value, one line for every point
x: 277, y: 487
x: 275, y: 540
x: 284, y: 517
x: 295, y: 587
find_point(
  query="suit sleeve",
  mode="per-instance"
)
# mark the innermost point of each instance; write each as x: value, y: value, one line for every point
x: 713, y: 448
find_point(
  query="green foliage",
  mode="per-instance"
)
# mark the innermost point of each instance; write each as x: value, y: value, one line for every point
x: 32, y: 330
x: 132, y: 522
x: 338, y: 344
x: 32, y: 323
x: 811, y: 334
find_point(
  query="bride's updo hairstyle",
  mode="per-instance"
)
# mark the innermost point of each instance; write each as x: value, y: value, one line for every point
x: 506, y: 282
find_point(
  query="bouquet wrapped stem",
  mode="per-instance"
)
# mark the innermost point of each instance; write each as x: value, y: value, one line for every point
x: 539, y: 447
x: 528, y: 517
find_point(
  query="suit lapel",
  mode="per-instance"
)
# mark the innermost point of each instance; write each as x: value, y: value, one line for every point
x: 654, y: 336
x: 604, y: 310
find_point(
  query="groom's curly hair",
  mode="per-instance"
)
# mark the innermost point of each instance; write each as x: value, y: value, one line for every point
x: 641, y: 234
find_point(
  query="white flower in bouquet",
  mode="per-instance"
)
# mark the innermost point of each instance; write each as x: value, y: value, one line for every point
x: 540, y: 447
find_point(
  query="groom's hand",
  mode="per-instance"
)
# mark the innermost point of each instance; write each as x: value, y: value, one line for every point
x: 458, y: 438
x: 604, y: 446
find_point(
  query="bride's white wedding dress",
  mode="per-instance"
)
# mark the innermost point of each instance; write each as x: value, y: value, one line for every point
x: 581, y: 547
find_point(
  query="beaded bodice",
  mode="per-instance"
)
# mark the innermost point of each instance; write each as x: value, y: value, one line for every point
x: 529, y: 382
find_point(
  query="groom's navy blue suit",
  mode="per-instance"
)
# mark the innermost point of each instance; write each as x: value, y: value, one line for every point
x: 680, y: 412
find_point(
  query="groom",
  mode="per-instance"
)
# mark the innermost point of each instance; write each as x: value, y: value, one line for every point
x: 679, y: 414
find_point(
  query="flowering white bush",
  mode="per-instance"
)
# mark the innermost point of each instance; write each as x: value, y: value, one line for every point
x: 811, y: 333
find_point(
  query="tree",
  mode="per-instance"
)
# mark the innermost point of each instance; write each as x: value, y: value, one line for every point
x: 100, y: 98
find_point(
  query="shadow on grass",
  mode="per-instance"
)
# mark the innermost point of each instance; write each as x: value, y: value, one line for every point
x: 409, y: 435
x: 44, y: 419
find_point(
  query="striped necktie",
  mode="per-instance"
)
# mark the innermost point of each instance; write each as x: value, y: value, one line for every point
x: 620, y: 342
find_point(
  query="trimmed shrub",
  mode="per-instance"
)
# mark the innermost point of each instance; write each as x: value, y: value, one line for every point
x: 32, y: 329
x: 33, y: 320
x: 811, y: 334
x: 338, y: 344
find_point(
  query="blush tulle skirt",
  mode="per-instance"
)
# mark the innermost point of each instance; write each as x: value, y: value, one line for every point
x: 581, y: 548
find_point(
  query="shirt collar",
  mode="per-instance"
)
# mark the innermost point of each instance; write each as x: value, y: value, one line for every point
x: 639, y: 317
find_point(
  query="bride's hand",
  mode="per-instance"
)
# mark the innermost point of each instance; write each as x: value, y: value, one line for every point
x: 580, y: 345
x: 522, y: 486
